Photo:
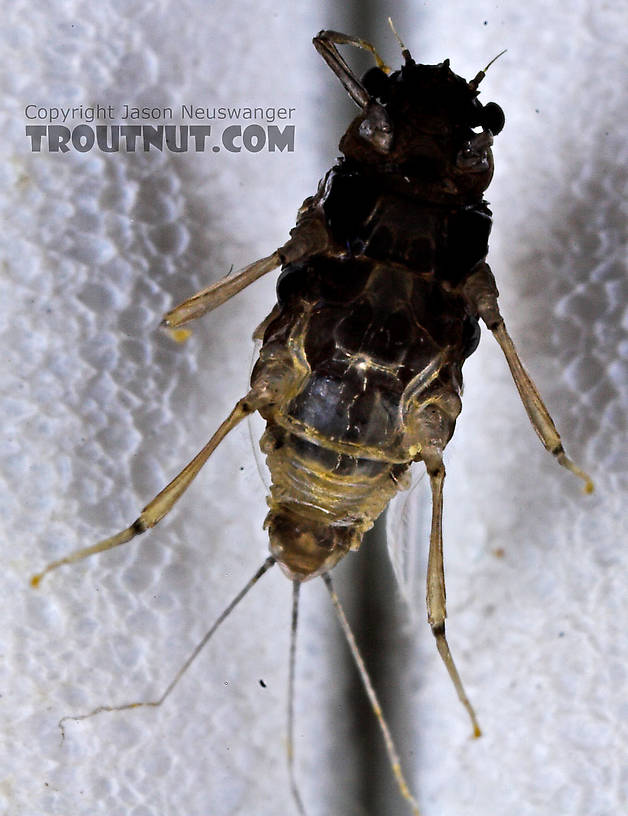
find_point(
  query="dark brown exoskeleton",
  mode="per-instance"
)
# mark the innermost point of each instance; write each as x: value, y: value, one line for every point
x: 359, y: 376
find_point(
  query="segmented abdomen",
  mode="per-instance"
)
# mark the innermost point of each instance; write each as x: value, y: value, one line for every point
x: 379, y: 342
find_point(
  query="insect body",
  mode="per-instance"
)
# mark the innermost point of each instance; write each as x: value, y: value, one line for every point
x: 383, y: 285
x: 372, y: 331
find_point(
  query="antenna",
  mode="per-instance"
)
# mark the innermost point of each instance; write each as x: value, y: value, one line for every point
x: 404, y: 51
x: 473, y: 84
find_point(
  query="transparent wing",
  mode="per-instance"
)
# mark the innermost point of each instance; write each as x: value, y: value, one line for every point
x: 256, y: 426
x: 408, y: 519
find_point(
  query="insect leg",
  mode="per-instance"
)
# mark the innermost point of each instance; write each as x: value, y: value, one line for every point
x: 308, y: 238
x: 219, y: 292
x: 268, y: 563
x: 481, y: 292
x: 393, y: 756
x: 156, y: 509
x: 325, y: 43
x: 296, y: 585
x: 436, y: 611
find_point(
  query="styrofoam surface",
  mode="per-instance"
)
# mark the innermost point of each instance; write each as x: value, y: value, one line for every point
x: 100, y: 410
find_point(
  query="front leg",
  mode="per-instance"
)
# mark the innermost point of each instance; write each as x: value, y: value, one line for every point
x: 325, y: 43
x: 376, y: 128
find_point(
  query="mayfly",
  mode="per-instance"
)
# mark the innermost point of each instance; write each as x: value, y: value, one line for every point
x: 383, y: 284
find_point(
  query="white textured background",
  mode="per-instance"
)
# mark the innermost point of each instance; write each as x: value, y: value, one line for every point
x: 99, y: 410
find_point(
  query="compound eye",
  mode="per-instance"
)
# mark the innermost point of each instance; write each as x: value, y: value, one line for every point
x: 475, y: 154
x: 376, y: 83
x: 376, y: 128
x: 493, y: 118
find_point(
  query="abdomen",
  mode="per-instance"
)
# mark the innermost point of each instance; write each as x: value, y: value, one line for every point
x: 379, y: 341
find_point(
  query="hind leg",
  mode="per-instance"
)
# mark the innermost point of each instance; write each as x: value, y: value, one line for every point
x: 435, y: 595
x: 433, y: 424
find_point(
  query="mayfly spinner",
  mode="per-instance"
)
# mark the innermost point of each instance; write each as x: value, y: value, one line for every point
x: 383, y: 283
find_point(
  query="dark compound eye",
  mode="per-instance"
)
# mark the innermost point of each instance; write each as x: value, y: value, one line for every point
x: 376, y: 83
x: 493, y: 118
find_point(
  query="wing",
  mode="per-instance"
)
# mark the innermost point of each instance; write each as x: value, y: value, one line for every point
x: 408, y: 519
x: 256, y: 426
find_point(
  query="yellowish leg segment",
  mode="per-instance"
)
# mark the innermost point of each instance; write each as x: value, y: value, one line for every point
x: 481, y: 292
x: 535, y: 408
x: 326, y: 38
x: 219, y: 292
x: 435, y: 596
x: 308, y: 238
x: 156, y: 509
x: 325, y: 43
